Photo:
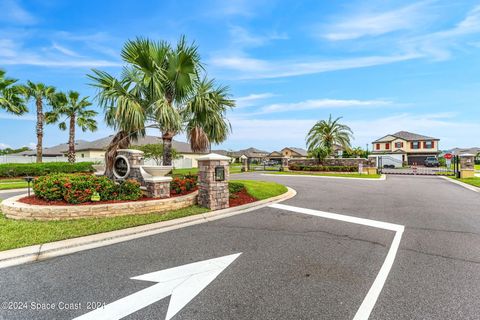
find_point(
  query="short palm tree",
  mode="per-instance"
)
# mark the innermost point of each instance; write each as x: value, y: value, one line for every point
x: 75, y: 111
x: 10, y: 95
x: 327, y: 133
x: 39, y: 93
x: 162, y: 87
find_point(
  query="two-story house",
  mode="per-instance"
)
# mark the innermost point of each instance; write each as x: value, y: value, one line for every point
x: 413, y: 148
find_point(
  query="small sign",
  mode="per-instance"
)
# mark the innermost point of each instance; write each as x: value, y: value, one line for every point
x: 121, y: 167
x: 360, y: 168
x: 448, y: 156
x: 219, y: 173
x: 448, y: 162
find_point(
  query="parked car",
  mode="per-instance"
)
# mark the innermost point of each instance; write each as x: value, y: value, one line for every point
x: 431, y: 162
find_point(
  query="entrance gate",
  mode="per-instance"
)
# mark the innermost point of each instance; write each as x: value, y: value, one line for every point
x: 389, y: 165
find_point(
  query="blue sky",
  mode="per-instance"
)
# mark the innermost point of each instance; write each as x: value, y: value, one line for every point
x: 383, y: 66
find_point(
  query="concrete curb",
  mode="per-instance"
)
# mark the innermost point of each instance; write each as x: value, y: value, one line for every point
x: 383, y: 177
x: 59, y: 248
x: 465, y: 185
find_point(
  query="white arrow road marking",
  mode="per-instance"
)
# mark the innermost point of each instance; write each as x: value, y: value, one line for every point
x: 363, y: 313
x: 182, y: 283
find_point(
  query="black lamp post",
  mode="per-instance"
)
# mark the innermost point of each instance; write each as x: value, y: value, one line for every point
x: 29, y: 180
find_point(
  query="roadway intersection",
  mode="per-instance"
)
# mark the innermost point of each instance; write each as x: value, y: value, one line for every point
x: 285, y: 261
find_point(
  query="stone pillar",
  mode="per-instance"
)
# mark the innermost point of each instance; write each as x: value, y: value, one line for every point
x: 158, y: 187
x: 135, y: 161
x: 212, y: 188
x: 284, y: 166
x: 467, y: 165
x: 244, y: 164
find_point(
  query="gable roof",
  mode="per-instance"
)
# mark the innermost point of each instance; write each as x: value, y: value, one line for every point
x: 405, y: 135
x: 300, y: 151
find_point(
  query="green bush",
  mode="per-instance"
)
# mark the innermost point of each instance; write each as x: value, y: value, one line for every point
x: 41, y: 169
x: 302, y: 167
x: 234, y: 187
x: 79, y: 188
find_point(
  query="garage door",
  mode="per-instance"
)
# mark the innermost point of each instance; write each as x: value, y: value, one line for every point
x: 418, y: 160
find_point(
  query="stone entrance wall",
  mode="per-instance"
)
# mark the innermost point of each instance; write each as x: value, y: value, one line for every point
x: 213, y: 193
x: 350, y: 162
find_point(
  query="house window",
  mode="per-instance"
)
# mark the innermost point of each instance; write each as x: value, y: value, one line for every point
x: 428, y: 144
x: 415, y: 145
x: 387, y: 146
x: 377, y: 146
x: 398, y: 145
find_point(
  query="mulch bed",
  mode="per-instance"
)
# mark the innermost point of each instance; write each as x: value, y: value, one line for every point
x: 40, y: 202
x: 241, y: 197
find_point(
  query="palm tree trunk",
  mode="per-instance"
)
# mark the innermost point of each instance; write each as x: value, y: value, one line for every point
x: 71, y: 140
x: 121, y: 140
x: 167, y: 148
x: 39, y: 130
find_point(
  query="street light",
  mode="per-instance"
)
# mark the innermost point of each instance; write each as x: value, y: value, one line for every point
x: 29, y: 180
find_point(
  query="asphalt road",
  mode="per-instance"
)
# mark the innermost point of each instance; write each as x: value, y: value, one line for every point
x: 292, y: 266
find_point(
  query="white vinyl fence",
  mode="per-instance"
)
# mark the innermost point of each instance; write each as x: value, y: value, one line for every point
x: 178, y: 163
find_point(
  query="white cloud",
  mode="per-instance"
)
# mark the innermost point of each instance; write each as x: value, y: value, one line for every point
x: 241, y: 36
x: 64, y: 50
x: 363, y: 24
x: 323, y: 104
x: 250, y: 68
x: 9, y: 116
x: 252, y: 99
x: 12, y: 11
x: 4, y: 146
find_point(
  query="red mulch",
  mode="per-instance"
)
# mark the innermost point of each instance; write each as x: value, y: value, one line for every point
x: 36, y: 201
x: 241, y: 197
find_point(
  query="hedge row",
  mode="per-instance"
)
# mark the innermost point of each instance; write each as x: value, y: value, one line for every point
x: 79, y: 188
x: 41, y: 169
x: 301, y: 167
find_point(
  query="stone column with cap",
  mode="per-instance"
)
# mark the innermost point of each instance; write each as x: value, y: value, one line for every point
x: 467, y: 165
x: 213, y: 176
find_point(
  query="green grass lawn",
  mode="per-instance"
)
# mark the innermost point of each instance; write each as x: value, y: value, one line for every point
x: 18, y: 233
x: 343, y: 175
x: 11, y: 180
x: 261, y: 190
x: 477, y: 167
x: 473, y: 181
x: 12, y: 185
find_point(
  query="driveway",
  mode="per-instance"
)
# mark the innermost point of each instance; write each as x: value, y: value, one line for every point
x: 288, y: 264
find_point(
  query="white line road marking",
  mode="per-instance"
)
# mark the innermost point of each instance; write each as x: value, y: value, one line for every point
x: 183, y: 283
x: 373, y: 293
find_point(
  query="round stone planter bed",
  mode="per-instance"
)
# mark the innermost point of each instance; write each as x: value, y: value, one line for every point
x: 15, y: 208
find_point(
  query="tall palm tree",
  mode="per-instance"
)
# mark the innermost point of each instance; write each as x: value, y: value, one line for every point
x: 162, y: 87
x: 10, y: 95
x: 39, y: 93
x: 75, y: 111
x: 326, y: 133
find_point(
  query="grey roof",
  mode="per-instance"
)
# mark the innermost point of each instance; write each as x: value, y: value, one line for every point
x: 58, y: 150
x: 457, y: 151
x: 408, y: 136
x: 300, y: 151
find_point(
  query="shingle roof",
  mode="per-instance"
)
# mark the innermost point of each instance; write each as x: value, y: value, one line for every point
x: 57, y: 150
x: 300, y: 151
x: 408, y: 136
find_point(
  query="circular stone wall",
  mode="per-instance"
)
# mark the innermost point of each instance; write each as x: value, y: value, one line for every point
x: 14, y: 209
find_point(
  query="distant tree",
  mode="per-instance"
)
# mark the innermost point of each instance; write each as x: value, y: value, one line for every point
x: 75, y: 111
x: 39, y: 93
x: 155, y: 152
x: 327, y: 133
x: 13, y: 151
x: 10, y: 95
x: 356, y: 152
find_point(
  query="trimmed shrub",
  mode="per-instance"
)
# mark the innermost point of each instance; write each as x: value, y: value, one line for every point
x: 302, y: 167
x: 79, y: 188
x: 235, y: 187
x: 41, y: 169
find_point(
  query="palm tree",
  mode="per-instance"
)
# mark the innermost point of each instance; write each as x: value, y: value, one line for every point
x: 327, y: 133
x: 10, y: 95
x: 75, y: 111
x: 39, y: 92
x: 163, y: 87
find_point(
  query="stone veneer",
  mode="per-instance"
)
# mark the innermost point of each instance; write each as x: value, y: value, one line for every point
x: 350, y: 162
x: 11, y: 208
x: 213, y: 194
